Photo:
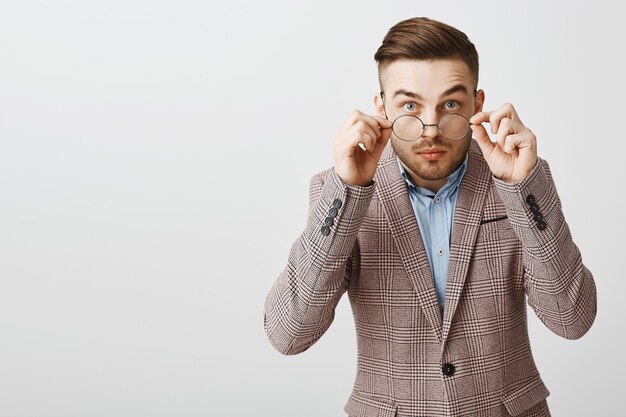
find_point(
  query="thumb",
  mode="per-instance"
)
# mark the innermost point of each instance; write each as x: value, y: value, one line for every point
x: 482, y: 137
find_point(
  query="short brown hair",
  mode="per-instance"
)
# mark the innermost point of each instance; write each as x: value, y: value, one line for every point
x: 425, y: 39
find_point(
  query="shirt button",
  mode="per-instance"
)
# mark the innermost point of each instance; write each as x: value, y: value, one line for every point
x: 440, y: 251
x: 437, y: 199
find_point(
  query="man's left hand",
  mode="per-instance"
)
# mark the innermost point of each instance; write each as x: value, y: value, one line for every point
x: 514, y: 154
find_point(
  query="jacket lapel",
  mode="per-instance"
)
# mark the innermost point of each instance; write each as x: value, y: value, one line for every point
x: 467, y: 215
x: 392, y: 192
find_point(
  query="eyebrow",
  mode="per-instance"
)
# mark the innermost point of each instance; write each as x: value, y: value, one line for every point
x: 449, y: 91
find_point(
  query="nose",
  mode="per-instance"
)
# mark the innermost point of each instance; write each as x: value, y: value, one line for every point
x: 429, y: 119
x: 430, y: 133
x: 430, y: 129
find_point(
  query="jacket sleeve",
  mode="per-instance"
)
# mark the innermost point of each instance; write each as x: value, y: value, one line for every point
x: 560, y: 289
x: 300, y: 306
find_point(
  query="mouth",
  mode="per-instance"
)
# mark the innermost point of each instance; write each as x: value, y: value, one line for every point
x: 431, y: 154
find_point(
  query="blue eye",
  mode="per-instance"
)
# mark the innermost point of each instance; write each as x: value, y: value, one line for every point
x: 410, y: 106
x: 456, y: 105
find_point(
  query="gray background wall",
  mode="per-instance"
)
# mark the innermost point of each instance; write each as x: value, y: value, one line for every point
x: 154, y: 167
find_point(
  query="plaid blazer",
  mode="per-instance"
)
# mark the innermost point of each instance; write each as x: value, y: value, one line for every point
x: 510, y: 246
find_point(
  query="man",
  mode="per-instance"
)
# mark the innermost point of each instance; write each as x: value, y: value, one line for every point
x: 438, y: 239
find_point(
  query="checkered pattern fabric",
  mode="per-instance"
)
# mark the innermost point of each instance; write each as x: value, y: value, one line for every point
x: 475, y: 359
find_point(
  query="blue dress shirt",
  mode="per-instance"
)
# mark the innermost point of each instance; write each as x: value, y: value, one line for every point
x: 434, y: 213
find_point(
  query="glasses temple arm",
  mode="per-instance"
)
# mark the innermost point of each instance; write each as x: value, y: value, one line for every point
x: 382, y: 97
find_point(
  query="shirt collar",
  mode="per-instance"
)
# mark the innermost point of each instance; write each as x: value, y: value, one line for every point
x: 454, y: 179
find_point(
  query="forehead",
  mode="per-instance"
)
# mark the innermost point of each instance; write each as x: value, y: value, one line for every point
x: 428, y: 78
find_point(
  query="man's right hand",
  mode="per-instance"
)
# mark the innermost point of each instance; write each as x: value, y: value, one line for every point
x: 352, y: 164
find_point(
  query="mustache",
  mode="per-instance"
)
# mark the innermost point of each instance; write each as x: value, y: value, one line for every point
x: 435, y: 142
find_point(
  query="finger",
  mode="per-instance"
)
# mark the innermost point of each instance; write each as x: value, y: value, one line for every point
x: 363, y: 134
x: 365, y: 142
x: 514, y: 143
x: 510, y: 111
x: 482, y: 137
x: 348, y: 141
x: 354, y: 117
x: 507, y: 127
x: 365, y: 128
x: 382, y: 141
x: 375, y: 123
x: 480, y: 117
x: 382, y: 122
x: 505, y: 111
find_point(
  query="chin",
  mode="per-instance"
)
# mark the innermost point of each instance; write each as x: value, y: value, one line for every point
x: 433, y: 174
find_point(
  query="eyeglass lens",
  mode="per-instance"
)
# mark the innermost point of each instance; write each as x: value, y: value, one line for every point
x: 451, y: 126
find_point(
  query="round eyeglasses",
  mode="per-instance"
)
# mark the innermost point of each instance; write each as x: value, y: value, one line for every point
x: 452, y: 126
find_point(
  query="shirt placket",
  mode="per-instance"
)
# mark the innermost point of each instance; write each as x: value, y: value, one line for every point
x: 439, y: 243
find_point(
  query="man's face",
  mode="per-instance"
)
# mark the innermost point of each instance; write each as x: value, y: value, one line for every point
x: 429, y: 90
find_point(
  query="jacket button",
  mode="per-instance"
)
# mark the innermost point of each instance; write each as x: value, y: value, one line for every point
x: 325, y: 230
x: 530, y: 199
x: 448, y: 369
x: 332, y: 212
x: 328, y: 221
x: 337, y: 203
x: 541, y: 225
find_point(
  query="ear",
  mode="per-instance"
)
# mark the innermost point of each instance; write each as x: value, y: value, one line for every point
x: 480, y: 100
x: 378, y: 104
